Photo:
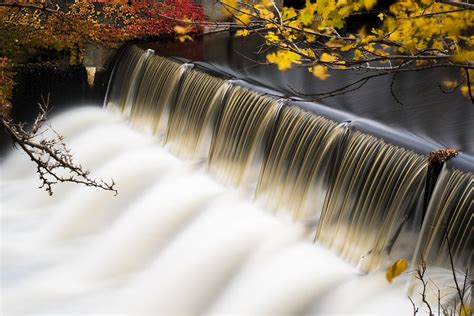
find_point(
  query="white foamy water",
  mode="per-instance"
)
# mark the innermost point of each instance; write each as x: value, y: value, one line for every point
x: 173, y: 242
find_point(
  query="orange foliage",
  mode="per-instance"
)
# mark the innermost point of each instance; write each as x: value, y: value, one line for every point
x: 31, y: 26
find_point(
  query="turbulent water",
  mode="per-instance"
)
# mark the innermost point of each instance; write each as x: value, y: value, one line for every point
x: 231, y: 201
x: 174, y: 241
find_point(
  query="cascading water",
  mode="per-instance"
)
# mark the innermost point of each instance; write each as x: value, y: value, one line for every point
x: 377, y: 189
x: 239, y: 138
x: 294, y: 176
x: 194, y: 114
x: 176, y: 241
x: 447, y: 238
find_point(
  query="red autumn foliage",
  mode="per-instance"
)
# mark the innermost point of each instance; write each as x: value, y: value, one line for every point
x: 32, y: 26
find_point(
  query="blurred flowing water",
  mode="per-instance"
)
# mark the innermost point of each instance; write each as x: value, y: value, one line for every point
x: 223, y: 189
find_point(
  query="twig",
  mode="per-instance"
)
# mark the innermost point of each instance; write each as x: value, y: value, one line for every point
x: 453, y: 270
x: 50, y: 155
x: 391, y: 88
x: 415, y: 309
x: 420, y: 275
x: 468, y: 79
x: 460, y: 4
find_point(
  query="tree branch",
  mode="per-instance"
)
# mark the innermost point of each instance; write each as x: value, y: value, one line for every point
x: 459, y: 4
x: 51, y: 156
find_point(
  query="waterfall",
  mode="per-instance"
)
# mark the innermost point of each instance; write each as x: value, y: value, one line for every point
x: 447, y: 237
x: 193, y: 116
x: 377, y: 188
x: 361, y: 194
x: 156, y: 89
x: 239, y: 138
x: 221, y: 193
x: 294, y: 175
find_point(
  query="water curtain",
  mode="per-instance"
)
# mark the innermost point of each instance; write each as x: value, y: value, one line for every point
x: 294, y: 175
x: 376, y: 190
x: 363, y: 196
x: 194, y: 114
x: 445, y: 243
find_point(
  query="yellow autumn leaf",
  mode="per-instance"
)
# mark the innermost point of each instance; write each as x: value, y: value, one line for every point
x: 229, y: 7
x: 357, y: 54
x: 265, y: 14
x: 310, y: 37
x: 464, y: 55
x: 320, y: 72
x: 308, y: 52
x: 288, y: 13
x: 396, y: 269
x: 347, y: 47
x: 242, y: 33
x: 381, y: 16
x: 327, y: 58
x: 294, y: 24
x: 335, y: 43
x: 244, y: 17
x: 395, y: 36
x: 465, y: 90
x: 183, y: 38
x: 284, y: 59
x: 181, y: 29
x: 306, y: 15
x: 271, y: 37
x: 266, y: 3
x: 369, y: 4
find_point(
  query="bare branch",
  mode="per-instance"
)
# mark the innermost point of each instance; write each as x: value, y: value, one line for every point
x: 469, y: 87
x: 453, y: 269
x: 392, y: 83
x: 415, y: 309
x: 420, y: 275
x: 459, y: 4
x: 51, y: 155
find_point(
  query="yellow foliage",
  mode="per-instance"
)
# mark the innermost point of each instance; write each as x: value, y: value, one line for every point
x: 266, y: 3
x: 396, y: 269
x: 183, y: 38
x: 265, y: 14
x: 369, y: 4
x: 409, y: 28
x: 465, y: 90
x: 335, y: 43
x: 244, y: 17
x: 320, y: 72
x: 288, y: 13
x: 464, y: 55
x: 284, y: 59
x: 242, y: 33
x: 181, y: 29
x: 310, y: 37
x: 229, y: 7
x: 347, y: 47
x: 327, y: 58
x: 308, y: 52
x: 294, y: 24
x: 272, y: 37
x: 307, y: 14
